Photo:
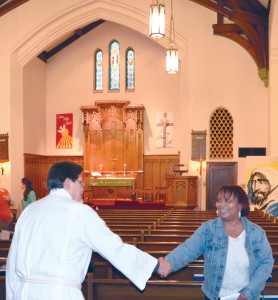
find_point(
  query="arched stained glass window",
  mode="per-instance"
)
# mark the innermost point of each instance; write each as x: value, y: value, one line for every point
x: 99, y: 70
x: 114, y: 74
x: 130, y: 69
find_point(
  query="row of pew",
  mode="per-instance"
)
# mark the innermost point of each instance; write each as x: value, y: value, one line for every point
x: 157, y: 232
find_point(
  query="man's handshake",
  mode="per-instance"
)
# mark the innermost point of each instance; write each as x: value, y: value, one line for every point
x: 164, y: 268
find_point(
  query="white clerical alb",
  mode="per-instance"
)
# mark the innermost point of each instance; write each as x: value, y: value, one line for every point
x: 55, y: 237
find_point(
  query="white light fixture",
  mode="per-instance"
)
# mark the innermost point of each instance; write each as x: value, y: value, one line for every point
x: 157, y: 20
x: 172, y: 55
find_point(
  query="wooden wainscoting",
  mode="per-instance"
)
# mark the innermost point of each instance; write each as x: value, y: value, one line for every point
x: 36, y: 167
x: 156, y: 167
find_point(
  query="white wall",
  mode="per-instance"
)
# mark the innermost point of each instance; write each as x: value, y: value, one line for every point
x: 34, y: 109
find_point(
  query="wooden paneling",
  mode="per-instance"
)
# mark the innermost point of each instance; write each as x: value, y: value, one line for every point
x: 113, y: 137
x: 181, y: 191
x: 36, y: 167
x: 156, y: 167
x: 219, y: 174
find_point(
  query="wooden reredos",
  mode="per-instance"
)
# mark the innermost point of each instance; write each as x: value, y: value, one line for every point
x: 114, y: 138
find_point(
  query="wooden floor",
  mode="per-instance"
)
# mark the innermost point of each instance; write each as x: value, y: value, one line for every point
x: 156, y: 232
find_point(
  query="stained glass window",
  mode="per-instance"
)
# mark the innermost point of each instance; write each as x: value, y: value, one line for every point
x: 130, y: 69
x: 114, y: 75
x: 99, y: 70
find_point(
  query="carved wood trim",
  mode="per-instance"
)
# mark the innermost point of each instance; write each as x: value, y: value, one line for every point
x: 36, y: 167
x: 250, y: 28
x: 156, y: 167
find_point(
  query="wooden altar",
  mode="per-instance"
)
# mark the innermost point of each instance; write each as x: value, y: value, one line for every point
x: 110, y: 188
x: 181, y: 191
x: 113, y: 140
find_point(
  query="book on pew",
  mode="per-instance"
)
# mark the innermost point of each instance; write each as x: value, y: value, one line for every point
x: 270, y: 297
x: 230, y: 297
x: 198, y: 277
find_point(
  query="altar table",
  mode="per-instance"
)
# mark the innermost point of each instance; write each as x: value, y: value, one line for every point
x: 111, y: 188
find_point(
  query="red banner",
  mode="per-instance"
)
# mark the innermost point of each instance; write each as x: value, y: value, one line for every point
x: 64, y: 124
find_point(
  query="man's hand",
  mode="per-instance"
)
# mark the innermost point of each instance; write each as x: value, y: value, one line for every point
x: 165, y: 267
x: 242, y: 297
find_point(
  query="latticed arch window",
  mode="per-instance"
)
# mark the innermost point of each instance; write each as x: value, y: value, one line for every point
x: 114, y: 62
x: 221, y: 134
x: 99, y: 70
x: 130, y: 69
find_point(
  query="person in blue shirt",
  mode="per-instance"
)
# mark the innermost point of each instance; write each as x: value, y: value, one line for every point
x: 238, y: 258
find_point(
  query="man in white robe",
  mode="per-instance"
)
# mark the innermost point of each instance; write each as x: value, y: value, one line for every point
x: 53, y: 242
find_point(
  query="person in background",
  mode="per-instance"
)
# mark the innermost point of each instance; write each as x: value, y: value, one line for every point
x: 53, y: 242
x: 5, y: 210
x: 237, y: 255
x: 29, y: 194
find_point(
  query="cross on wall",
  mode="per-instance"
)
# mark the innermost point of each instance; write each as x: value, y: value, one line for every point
x: 165, y: 123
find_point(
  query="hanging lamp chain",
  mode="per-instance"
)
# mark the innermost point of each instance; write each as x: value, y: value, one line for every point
x: 172, y: 27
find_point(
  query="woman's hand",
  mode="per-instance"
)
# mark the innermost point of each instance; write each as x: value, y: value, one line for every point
x: 164, y: 268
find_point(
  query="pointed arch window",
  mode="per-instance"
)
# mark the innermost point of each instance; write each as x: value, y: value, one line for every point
x: 98, y: 70
x: 114, y: 62
x: 130, y: 69
x: 221, y: 134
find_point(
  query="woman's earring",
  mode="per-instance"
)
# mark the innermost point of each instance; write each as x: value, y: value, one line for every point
x: 239, y: 214
x: 217, y: 212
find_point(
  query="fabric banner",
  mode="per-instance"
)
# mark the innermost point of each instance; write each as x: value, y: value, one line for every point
x: 64, y: 124
x: 164, y: 129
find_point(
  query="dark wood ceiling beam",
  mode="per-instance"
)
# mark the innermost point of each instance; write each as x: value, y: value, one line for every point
x: 257, y: 7
x: 212, y: 5
x: 5, y: 8
x: 241, y: 41
x: 226, y: 28
x: 250, y: 28
x: 239, y: 15
x: 257, y: 39
x: 45, y: 55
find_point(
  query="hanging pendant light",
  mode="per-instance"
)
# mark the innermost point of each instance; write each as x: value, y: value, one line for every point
x: 172, y: 60
x: 157, y: 20
x: 172, y: 55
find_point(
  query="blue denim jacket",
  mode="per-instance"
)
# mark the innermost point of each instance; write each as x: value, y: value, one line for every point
x: 211, y: 241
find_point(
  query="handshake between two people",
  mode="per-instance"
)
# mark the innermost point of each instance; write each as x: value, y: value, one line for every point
x: 164, y: 268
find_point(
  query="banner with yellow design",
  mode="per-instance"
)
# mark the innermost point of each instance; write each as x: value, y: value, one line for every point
x: 64, y: 124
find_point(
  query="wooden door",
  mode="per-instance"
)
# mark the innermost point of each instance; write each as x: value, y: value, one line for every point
x: 219, y: 174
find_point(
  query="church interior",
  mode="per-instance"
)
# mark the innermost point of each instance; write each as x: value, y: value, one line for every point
x: 85, y: 81
x: 48, y: 69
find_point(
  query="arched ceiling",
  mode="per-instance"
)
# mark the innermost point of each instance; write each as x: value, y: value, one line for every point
x: 243, y: 21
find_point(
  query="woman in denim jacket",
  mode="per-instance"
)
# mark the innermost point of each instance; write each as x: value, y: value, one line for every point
x: 238, y: 257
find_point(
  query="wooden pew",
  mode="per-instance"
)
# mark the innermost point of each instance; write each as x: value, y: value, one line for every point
x: 119, y: 289
x: 2, y: 288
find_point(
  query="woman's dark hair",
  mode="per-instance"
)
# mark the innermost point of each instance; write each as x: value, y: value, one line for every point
x: 58, y: 173
x: 28, y: 187
x: 237, y: 192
